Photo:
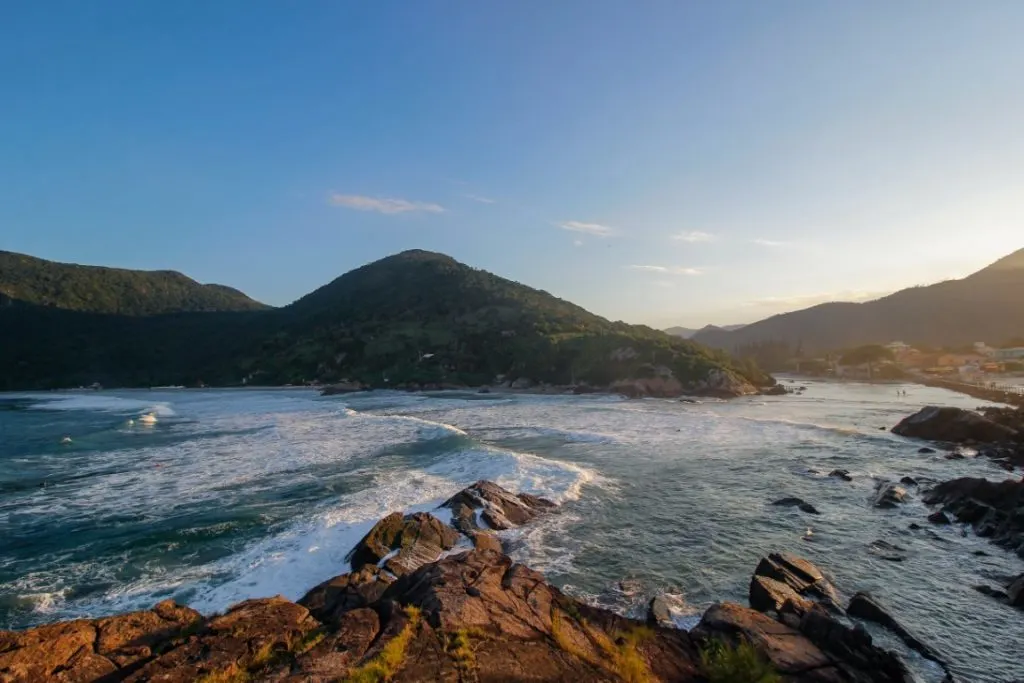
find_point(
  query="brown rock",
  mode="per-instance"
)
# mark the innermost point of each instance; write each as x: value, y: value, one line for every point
x: 248, y: 634
x: 419, y: 538
x: 332, y: 598
x: 864, y: 606
x: 769, y: 595
x: 88, y: 650
x: 500, y: 508
x: 805, y: 579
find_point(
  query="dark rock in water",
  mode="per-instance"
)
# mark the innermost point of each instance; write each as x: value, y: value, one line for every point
x: 925, y: 449
x: 484, y: 390
x: 954, y: 425
x: 887, y: 551
x: 805, y: 579
x: 980, y: 553
x: 956, y: 454
x: 658, y: 613
x: 1015, y: 592
x: 841, y: 474
x: 419, y: 538
x: 938, y: 517
x: 334, y: 597
x: 994, y: 509
x: 913, y: 526
x: 991, y: 592
x: 881, y: 429
x: 908, y: 481
x: 500, y: 508
x: 797, y: 503
x: 864, y: 606
x: 777, y: 390
x: 889, y: 495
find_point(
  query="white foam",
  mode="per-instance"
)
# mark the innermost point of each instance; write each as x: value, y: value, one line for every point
x: 100, y: 403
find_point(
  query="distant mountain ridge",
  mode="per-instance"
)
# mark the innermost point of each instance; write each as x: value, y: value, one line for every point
x: 689, y: 332
x: 414, y: 319
x: 986, y: 306
x: 96, y: 289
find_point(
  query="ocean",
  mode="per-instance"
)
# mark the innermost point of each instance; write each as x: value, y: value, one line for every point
x: 223, y: 495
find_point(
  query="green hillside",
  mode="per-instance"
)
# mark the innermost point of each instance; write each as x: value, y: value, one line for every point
x: 415, y: 318
x: 117, y: 291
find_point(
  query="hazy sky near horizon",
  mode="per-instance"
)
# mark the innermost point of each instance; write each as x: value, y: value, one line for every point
x: 658, y: 161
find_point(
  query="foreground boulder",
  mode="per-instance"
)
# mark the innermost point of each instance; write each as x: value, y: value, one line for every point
x: 813, y: 647
x: 84, y: 650
x: 403, y: 543
x: 994, y: 509
x: 954, y: 425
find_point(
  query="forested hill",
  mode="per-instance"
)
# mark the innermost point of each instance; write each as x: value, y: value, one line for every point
x: 415, y: 318
x: 95, y: 289
x: 986, y: 306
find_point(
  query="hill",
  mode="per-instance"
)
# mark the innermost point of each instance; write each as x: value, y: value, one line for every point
x: 118, y: 291
x: 689, y: 332
x: 415, y: 319
x: 986, y: 306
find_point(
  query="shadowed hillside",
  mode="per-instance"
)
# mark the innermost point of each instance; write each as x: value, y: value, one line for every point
x: 986, y: 306
x: 413, y: 319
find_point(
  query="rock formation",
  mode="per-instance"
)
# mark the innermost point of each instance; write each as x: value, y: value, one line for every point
x: 994, y: 509
x: 403, y: 614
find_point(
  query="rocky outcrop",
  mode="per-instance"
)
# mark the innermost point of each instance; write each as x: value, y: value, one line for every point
x: 498, y: 508
x: 341, y: 594
x: 954, y: 425
x: 91, y: 650
x: 471, y: 616
x: 721, y: 383
x: 795, y: 573
x: 402, y: 543
x: 813, y: 646
x: 994, y: 509
x: 658, y: 387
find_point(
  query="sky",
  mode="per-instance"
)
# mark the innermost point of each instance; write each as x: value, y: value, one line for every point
x: 656, y: 161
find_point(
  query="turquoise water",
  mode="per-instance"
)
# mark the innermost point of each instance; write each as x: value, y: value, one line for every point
x: 233, y: 494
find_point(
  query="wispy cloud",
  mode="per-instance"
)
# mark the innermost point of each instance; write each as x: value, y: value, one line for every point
x: 388, y: 205
x: 577, y: 243
x: 668, y: 270
x: 772, y: 243
x: 693, y: 236
x: 595, y: 229
x: 478, y: 198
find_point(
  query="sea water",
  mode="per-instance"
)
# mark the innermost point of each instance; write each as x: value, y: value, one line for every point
x: 232, y: 494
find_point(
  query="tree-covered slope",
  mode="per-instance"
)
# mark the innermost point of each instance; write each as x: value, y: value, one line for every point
x: 118, y: 291
x: 413, y: 319
x: 986, y: 306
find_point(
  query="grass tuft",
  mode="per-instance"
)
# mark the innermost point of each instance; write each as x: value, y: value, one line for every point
x: 391, y: 658
x: 723, y: 663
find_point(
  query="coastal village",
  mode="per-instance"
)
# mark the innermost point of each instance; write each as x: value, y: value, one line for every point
x: 978, y: 364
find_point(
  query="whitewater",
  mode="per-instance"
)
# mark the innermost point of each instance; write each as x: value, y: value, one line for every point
x: 223, y: 495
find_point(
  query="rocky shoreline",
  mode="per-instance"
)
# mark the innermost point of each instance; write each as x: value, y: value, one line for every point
x: 430, y: 601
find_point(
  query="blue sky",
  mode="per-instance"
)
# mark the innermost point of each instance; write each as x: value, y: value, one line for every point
x: 661, y: 162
